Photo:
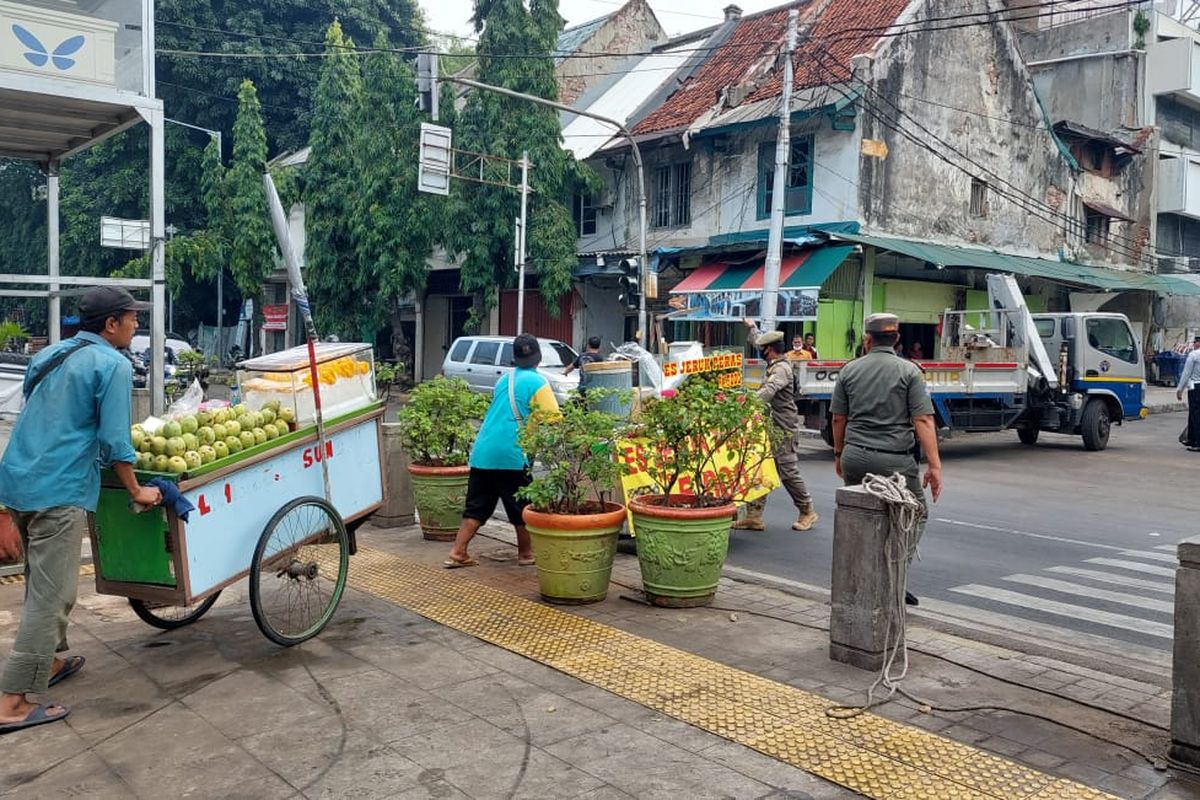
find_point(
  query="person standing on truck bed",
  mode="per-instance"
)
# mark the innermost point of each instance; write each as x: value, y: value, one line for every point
x: 589, y: 356
x: 778, y: 391
x: 1189, y: 380
x: 77, y: 410
x: 879, y: 406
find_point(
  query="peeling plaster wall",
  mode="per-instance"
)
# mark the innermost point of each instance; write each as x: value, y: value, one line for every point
x: 914, y: 193
x: 725, y: 187
x: 632, y: 28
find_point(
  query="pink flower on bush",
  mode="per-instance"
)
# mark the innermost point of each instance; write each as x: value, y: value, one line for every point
x: 668, y: 393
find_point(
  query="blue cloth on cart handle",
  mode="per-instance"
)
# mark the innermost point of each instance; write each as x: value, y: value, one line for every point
x: 171, y: 496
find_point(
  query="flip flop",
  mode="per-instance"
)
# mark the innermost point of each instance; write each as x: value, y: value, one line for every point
x: 38, y: 716
x: 526, y: 562
x: 454, y: 563
x: 72, y: 665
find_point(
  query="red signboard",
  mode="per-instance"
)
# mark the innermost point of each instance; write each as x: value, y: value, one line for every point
x: 275, y: 318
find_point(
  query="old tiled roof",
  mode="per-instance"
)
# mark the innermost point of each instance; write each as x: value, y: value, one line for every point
x: 844, y: 29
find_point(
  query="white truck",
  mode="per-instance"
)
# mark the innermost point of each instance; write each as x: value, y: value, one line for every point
x: 1071, y: 373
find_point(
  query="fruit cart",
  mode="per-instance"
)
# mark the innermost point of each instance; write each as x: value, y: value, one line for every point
x: 260, y: 513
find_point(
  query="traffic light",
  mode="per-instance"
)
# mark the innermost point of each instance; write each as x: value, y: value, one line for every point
x: 427, y: 84
x: 630, y: 283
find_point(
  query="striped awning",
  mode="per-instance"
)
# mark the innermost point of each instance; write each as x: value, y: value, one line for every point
x: 807, y: 269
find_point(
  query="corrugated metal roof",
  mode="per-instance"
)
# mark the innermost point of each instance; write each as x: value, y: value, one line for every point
x: 571, y: 39
x: 584, y: 136
x: 1111, y: 280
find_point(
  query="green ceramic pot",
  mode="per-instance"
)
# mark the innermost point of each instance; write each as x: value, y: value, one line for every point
x: 681, y: 550
x: 574, y: 552
x: 440, y: 494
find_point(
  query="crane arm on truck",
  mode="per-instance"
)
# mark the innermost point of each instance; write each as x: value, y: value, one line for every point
x: 1004, y: 294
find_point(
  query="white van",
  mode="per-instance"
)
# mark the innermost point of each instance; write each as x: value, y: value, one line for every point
x: 481, y: 360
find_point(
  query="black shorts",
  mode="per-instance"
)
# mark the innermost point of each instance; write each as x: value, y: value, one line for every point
x: 486, y: 486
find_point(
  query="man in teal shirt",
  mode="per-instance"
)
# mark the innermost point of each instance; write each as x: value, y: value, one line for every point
x: 76, y: 416
x: 499, y: 467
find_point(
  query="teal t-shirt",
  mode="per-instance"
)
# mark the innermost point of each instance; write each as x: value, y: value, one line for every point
x: 496, y: 445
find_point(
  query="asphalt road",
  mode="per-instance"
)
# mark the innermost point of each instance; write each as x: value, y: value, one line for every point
x: 1028, y: 537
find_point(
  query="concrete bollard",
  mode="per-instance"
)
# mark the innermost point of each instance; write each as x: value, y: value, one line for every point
x: 861, y: 586
x: 399, y: 509
x: 141, y: 404
x: 1185, y: 694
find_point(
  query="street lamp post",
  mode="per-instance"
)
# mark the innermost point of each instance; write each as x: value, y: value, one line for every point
x: 221, y: 273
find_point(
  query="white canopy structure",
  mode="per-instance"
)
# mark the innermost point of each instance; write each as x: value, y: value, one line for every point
x: 73, y: 73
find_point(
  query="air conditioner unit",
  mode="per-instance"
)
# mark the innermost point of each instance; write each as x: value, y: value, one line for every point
x: 1174, y: 264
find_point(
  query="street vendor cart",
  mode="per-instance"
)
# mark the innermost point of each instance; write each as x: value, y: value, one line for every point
x: 264, y: 513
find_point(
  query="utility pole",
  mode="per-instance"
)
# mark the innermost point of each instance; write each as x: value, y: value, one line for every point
x: 520, y: 242
x: 783, y: 146
x: 643, y: 264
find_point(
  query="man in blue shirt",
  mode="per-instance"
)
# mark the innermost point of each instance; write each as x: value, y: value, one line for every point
x: 498, y: 465
x: 76, y: 416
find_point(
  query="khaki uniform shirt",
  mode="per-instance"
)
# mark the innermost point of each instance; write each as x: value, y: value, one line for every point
x: 778, y: 390
x: 879, y: 394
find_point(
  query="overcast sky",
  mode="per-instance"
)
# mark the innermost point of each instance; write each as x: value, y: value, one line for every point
x: 677, y: 16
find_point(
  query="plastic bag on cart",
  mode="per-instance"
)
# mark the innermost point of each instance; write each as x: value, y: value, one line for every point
x: 189, y: 403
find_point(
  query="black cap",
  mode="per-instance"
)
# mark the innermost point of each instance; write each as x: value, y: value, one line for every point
x: 526, y: 351
x: 103, y: 302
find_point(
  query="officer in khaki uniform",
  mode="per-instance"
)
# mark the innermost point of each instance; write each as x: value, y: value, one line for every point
x: 778, y: 391
x: 879, y: 404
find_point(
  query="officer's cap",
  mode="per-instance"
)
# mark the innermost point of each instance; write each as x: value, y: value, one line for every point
x: 881, y: 323
x: 770, y: 337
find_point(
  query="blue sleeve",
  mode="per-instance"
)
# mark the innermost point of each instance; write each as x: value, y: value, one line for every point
x: 114, y: 408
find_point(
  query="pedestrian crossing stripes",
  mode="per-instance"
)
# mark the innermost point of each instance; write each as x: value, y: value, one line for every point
x: 1130, y: 594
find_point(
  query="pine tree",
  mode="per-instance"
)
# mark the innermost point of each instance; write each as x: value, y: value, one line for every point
x: 252, y: 250
x: 505, y: 127
x: 395, y: 226
x: 331, y: 185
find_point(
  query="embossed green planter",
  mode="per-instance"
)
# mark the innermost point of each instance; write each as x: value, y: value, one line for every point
x: 574, y: 552
x: 439, y: 493
x: 681, y: 550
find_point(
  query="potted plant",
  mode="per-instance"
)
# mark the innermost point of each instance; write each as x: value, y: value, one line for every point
x: 572, y: 520
x: 437, y: 429
x: 704, y: 448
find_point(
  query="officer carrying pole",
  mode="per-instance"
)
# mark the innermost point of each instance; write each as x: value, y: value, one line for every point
x: 778, y: 391
x: 880, y: 406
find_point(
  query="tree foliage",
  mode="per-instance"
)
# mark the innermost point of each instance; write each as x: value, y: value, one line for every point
x: 330, y: 187
x: 506, y: 127
x: 252, y: 244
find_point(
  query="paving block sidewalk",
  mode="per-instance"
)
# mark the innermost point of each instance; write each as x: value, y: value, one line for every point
x: 386, y: 703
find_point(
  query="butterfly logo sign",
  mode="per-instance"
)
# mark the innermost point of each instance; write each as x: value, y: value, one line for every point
x: 38, y: 55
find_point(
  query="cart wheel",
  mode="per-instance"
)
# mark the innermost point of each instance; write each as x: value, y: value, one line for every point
x: 170, y: 617
x: 298, y: 572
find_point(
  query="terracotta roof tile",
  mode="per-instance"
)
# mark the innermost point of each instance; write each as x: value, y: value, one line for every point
x: 845, y: 28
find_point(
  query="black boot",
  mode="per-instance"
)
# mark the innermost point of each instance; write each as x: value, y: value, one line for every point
x: 910, y: 599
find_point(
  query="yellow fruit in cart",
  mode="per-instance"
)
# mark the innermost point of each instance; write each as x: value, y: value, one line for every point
x: 220, y: 431
x: 137, y: 429
x: 233, y: 428
x: 287, y: 414
x: 193, y: 459
x: 307, y: 380
x: 345, y: 369
x: 190, y: 441
x: 177, y: 465
x: 272, y: 404
x: 267, y: 414
x: 272, y: 430
x: 327, y: 375
x: 158, y: 445
x: 247, y: 439
x: 137, y: 438
x: 234, y: 444
x: 207, y: 435
x: 207, y: 454
x: 260, y: 435
x: 189, y: 424
x: 172, y: 429
x: 204, y: 418
x: 176, y: 446
x: 364, y: 367
x: 161, y: 463
x: 220, y: 448
x: 145, y: 461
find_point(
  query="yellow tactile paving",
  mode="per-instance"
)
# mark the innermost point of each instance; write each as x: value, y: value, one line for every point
x: 872, y: 755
